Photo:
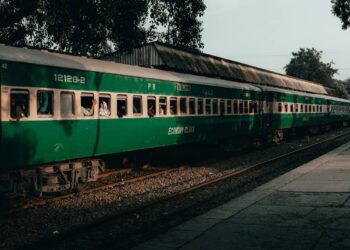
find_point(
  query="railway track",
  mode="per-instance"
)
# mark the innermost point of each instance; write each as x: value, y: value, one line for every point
x: 99, y: 185
x: 108, y: 222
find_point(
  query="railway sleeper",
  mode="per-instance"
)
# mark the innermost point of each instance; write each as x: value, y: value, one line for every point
x: 50, y: 179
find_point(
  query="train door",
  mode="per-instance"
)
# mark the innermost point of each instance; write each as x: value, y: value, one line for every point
x: 328, y: 108
x: 267, y: 114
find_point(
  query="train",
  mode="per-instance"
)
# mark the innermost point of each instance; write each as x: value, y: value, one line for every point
x: 60, y: 113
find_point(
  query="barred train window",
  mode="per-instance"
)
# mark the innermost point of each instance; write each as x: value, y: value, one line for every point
x: 229, y: 106
x: 279, y: 107
x: 162, y: 105
x: 246, y: 108
x: 122, y: 107
x: 291, y: 108
x: 251, y: 109
x: 19, y: 103
x: 87, y: 103
x: 104, y: 105
x: 200, y: 106
x: 241, y: 110
x: 222, y: 107
x: 183, y: 105
x: 44, y: 102
x: 215, y: 106
x: 173, y: 105
x: 208, y: 106
x: 137, y: 104
x: 151, y: 106
x: 67, y: 104
x: 192, y: 106
x: 235, y: 106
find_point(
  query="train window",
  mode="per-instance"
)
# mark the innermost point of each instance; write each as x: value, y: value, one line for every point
x: 104, y: 105
x: 241, y: 109
x: 183, y: 105
x: 200, y: 106
x: 296, y: 106
x: 173, y: 105
x: 137, y: 105
x: 44, y: 101
x: 229, y: 106
x: 302, y: 108
x: 151, y: 106
x: 222, y: 107
x: 19, y: 103
x: 320, y: 109
x: 246, y: 107
x: 208, y: 106
x: 67, y: 104
x: 215, y: 106
x: 192, y: 106
x: 255, y: 107
x: 279, y: 107
x: 291, y: 108
x: 122, y: 105
x: 162, y: 105
x: 251, y: 109
x: 235, y: 106
x: 286, y: 108
x: 87, y: 103
x: 313, y: 108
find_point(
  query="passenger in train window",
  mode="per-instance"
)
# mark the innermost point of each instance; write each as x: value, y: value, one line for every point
x: 121, y: 105
x: 104, y: 110
x: 45, y: 103
x: 162, y: 105
x: 173, y: 106
x: 151, y: 106
x: 19, y: 104
x: 151, y: 110
x: 87, y: 103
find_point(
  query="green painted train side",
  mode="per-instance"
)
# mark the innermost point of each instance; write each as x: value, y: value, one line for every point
x: 38, y: 142
x: 29, y: 143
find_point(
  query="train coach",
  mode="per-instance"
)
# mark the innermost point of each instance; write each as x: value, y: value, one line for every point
x: 60, y: 112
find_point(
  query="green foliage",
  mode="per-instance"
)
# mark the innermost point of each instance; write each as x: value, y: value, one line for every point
x: 341, y: 8
x: 306, y: 64
x: 179, y: 21
x: 96, y: 27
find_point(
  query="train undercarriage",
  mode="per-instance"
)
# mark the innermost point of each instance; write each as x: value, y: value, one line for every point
x: 51, y: 178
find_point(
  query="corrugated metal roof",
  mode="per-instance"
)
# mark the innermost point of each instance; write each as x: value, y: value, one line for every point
x: 164, y: 56
x: 33, y: 56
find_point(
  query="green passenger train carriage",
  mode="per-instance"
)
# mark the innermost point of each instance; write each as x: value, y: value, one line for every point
x: 62, y: 134
x: 56, y: 107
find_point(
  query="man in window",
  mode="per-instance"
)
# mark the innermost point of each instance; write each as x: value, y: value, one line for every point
x: 104, y: 111
x: 89, y: 111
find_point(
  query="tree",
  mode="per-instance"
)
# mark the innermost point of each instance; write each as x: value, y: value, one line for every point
x: 89, y: 27
x: 306, y: 64
x: 341, y: 9
x: 179, y: 21
x: 13, y: 13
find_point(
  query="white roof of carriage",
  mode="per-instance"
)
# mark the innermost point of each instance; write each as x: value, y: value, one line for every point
x: 42, y: 57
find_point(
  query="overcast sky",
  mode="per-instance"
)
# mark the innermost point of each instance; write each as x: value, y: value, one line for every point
x: 264, y: 33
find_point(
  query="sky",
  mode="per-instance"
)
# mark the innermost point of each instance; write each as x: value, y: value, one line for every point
x: 264, y: 33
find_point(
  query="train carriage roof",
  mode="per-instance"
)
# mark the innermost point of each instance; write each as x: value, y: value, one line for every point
x: 179, y: 59
x: 293, y: 92
x: 41, y: 57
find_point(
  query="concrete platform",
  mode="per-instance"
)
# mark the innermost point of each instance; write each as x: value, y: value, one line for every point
x: 306, y: 208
